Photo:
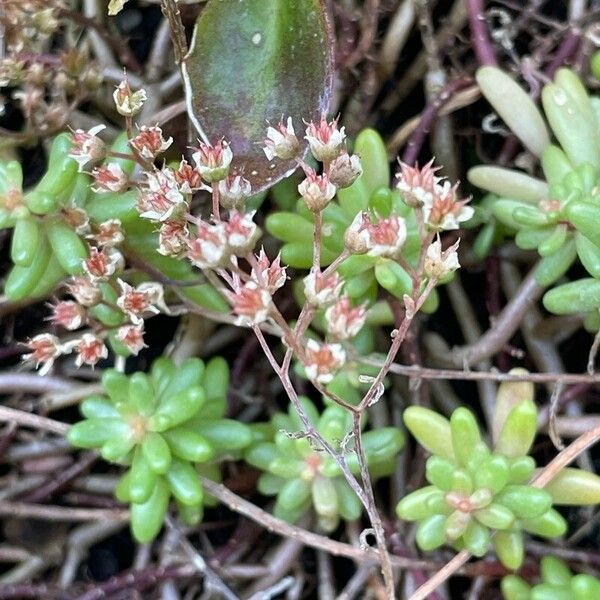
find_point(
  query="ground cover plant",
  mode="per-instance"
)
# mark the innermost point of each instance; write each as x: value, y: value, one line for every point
x: 300, y: 299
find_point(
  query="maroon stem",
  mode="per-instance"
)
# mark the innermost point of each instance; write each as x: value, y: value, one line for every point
x: 482, y: 46
x: 416, y: 140
x: 566, y: 50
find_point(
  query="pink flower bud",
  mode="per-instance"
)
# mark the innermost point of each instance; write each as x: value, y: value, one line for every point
x: 267, y: 274
x: 345, y: 170
x: 317, y: 191
x: 110, y: 178
x: 343, y: 320
x: 321, y: 291
x: 251, y: 303
x: 281, y: 141
x: 322, y: 361
x: 87, y: 146
x: 149, y: 142
x: 68, y: 314
x: 213, y: 162
x: 325, y: 139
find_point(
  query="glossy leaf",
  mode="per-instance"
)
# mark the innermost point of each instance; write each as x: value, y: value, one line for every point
x: 508, y: 183
x: 518, y: 430
x: 574, y: 486
x: 509, y: 548
x: 430, y: 429
x: 254, y: 61
x: 147, y: 518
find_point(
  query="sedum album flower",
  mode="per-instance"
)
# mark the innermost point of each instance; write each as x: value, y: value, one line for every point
x: 322, y: 361
x: 87, y: 146
x: 101, y: 264
x: 268, y: 274
x: 325, y: 139
x: 241, y: 232
x: 188, y: 179
x: 440, y: 263
x: 207, y: 249
x: 132, y: 337
x: 108, y: 233
x: 90, y: 349
x: 109, y: 178
x: 251, y: 304
x: 149, y: 142
x: 417, y: 184
x: 213, y: 162
x: 173, y: 238
x: 77, y: 219
x: 135, y: 302
x: 345, y: 170
x: 444, y: 211
x: 317, y: 191
x: 86, y: 292
x: 320, y: 290
x: 233, y: 190
x: 128, y: 102
x: 45, y: 349
x: 281, y: 141
x: 343, y: 320
x: 161, y: 200
x: 67, y: 314
x: 384, y: 237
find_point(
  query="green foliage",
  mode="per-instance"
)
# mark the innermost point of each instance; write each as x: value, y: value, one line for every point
x: 46, y: 248
x: 301, y: 476
x: 557, y: 216
x: 558, y: 583
x: 161, y: 426
x: 364, y: 274
x: 475, y: 491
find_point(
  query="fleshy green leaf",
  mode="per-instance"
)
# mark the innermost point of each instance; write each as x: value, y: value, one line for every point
x: 255, y: 61
x: 430, y: 429
x: 574, y: 486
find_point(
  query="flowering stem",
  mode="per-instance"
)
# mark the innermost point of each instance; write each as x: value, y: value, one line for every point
x: 336, y: 263
x: 317, y: 241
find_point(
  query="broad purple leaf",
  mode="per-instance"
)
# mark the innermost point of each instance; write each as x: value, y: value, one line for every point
x: 252, y: 62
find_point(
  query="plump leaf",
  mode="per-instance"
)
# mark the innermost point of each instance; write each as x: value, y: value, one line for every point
x: 255, y: 60
x: 518, y: 430
x: 430, y: 429
x: 574, y: 486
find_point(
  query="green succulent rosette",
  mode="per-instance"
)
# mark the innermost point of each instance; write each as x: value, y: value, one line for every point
x: 479, y: 498
x: 557, y: 583
x: 557, y: 216
x: 302, y: 477
x: 166, y: 427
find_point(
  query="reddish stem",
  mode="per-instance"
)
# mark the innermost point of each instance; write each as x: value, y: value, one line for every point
x: 482, y: 46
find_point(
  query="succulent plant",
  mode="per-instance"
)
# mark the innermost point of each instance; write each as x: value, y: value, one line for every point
x: 477, y: 497
x: 370, y: 192
x: 556, y: 216
x: 46, y: 246
x: 164, y: 427
x: 558, y: 583
x: 302, y: 477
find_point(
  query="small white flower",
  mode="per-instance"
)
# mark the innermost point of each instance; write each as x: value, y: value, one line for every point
x: 438, y: 264
x: 322, y: 361
x: 321, y: 291
x: 281, y: 141
x: 128, y: 102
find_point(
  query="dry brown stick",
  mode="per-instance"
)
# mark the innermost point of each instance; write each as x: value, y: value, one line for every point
x: 171, y: 12
x: 23, y: 510
x: 419, y: 372
x: 545, y: 476
x: 20, y: 417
